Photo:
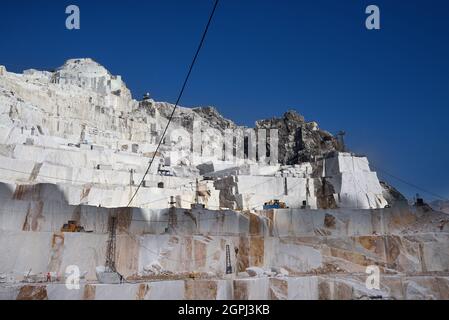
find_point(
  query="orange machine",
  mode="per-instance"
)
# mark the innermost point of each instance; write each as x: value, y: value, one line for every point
x: 72, y: 226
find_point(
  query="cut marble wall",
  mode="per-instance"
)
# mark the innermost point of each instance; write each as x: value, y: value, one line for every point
x: 327, y: 287
x: 68, y: 141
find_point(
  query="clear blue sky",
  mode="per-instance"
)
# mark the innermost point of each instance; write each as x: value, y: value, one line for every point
x: 388, y: 89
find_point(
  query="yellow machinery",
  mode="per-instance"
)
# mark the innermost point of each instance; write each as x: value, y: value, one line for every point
x: 72, y: 226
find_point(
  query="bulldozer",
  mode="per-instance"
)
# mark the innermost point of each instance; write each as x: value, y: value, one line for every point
x: 274, y: 204
x: 72, y: 226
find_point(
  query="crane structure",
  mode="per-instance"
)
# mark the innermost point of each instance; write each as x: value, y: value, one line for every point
x: 109, y: 274
x: 111, y: 249
x: 228, y: 260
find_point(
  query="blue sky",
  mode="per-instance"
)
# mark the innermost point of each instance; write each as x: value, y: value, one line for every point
x: 388, y: 89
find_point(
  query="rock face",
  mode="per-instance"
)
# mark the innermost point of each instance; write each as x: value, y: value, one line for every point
x: 300, y: 141
x: 88, y: 74
x: 214, y: 118
x: 392, y: 195
x: 74, y: 147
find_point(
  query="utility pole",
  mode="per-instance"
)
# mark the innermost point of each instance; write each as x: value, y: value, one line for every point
x: 196, y: 192
x: 307, y: 187
x: 172, y: 215
x: 131, y: 177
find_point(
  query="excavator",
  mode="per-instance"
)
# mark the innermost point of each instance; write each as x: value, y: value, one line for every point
x: 72, y: 226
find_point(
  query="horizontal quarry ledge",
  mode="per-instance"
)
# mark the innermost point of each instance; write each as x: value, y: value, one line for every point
x: 322, y: 287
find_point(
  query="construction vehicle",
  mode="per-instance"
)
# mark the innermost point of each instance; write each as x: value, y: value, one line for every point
x: 72, y: 226
x: 274, y: 204
x: 164, y: 171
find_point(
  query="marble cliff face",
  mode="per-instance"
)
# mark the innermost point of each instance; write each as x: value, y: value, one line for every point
x: 74, y: 146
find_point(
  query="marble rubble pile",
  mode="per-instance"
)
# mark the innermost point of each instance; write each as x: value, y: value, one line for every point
x: 74, y: 146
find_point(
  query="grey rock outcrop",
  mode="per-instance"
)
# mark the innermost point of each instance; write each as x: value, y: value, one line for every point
x: 392, y: 195
x: 299, y: 141
x: 215, y: 119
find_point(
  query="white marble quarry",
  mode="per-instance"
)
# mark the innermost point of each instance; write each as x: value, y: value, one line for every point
x: 251, y: 289
x: 294, y: 288
x: 293, y: 257
x: 80, y: 125
x: 301, y: 241
x: 24, y: 251
x: 165, y: 290
x: 303, y: 170
x: 309, y: 287
x: 75, y: 145
x: 355, y: 185
x: 252, y: 192
x: 61, y: 292
x: 110, y: 292
x: 209, y: 289
x: 8, y: 292
x: 87, y: 73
